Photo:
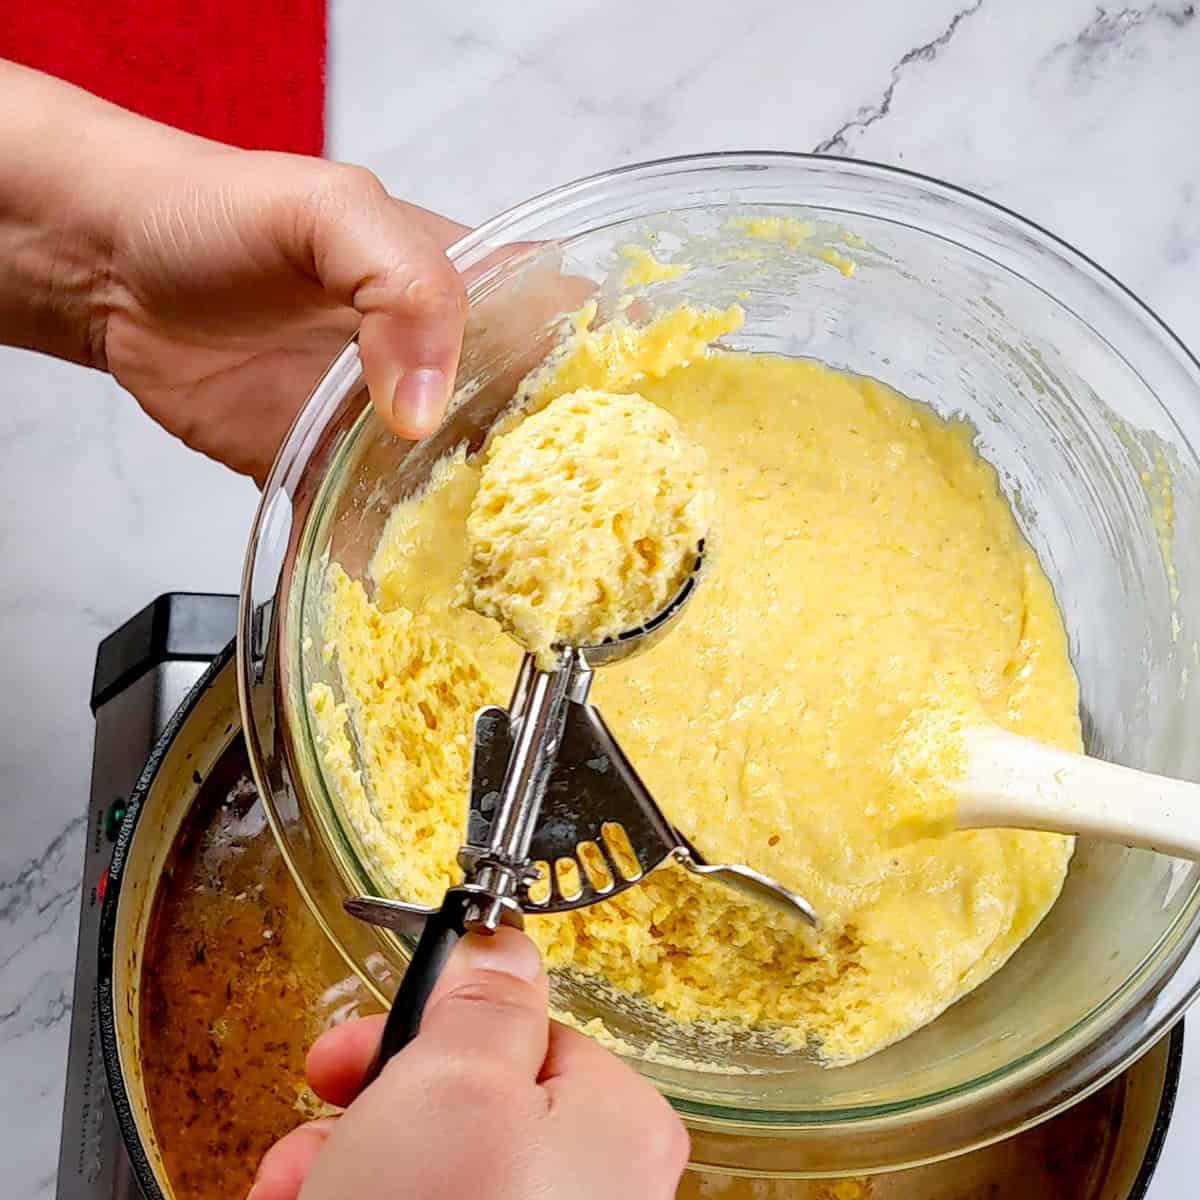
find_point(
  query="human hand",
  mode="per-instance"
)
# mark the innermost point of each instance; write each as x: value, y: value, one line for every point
x: 491, y: 1100
x: 216, y: 284
x: 236, y: 277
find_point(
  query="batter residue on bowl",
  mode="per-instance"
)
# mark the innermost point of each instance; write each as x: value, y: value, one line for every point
x: 869, y: 574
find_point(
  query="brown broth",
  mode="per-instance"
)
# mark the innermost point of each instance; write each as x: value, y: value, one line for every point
x: 238, y: 981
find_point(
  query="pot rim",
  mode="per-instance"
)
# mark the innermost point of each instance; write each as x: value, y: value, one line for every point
x: 126, y: 1114
x: 110, y: 1043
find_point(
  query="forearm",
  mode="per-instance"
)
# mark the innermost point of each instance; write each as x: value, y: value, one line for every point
x: 65, y: 160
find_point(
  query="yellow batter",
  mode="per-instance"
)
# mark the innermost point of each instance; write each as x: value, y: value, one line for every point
x: 871, y: 588
x: 588, y: 519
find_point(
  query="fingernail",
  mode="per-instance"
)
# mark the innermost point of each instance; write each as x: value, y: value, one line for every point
x: 419, y: 399
x: 506, y: 951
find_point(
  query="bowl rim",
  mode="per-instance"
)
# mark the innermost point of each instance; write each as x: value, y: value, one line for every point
x: 544, y: 201
x: 1069, y: 1066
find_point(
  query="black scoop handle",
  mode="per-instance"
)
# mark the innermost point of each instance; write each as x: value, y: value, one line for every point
x: 441, y: 934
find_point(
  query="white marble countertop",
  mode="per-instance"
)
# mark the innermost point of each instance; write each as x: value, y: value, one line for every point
x: 1079, y: 116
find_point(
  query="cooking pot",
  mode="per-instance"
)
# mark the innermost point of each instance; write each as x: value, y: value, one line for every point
x: 1116, y: 1146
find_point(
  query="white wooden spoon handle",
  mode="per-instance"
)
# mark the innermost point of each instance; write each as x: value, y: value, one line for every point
x: 1013, y: 782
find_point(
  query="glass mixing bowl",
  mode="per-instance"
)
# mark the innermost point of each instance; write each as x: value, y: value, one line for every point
x: 1090, y: 410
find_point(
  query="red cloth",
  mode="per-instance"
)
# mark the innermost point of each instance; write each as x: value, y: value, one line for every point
x: 248, y: 72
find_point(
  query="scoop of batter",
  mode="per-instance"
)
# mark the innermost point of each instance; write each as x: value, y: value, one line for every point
x: 588, y: 519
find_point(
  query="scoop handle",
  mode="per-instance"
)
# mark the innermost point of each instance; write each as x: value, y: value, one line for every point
x: 1014, y: 782
x: 441, y: 934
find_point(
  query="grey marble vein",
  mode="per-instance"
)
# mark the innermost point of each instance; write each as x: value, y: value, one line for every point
x: 838, y: 142
x: 45, y: 916
x: 1107, y: 28
x: 646, y: 105
x: 43, y: 1006
x: 19, y: 892
x: 1108, y: 31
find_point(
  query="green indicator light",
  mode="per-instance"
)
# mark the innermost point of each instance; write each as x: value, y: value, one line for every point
x: 113, y: 819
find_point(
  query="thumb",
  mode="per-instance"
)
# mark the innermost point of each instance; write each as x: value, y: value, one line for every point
x: 490, y: 1006
x: 374, y: 253
x: 285, y: 1165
